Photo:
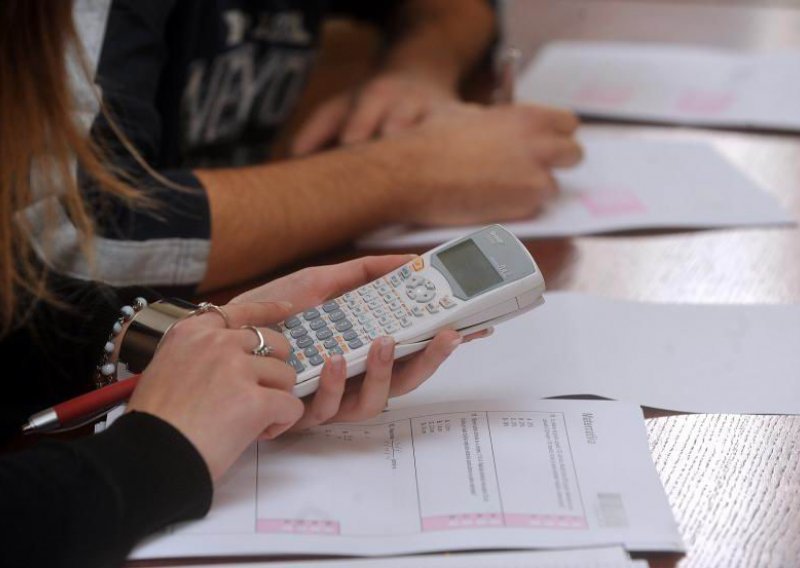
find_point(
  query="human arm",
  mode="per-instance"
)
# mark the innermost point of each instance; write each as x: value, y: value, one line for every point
x: 88, y: 501
x: 432, y: 44
x: 465, y: 165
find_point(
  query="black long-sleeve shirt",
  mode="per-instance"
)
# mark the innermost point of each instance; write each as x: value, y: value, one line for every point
x: 84, y: 502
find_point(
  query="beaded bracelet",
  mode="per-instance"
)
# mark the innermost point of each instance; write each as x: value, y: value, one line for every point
x: 106, y: 371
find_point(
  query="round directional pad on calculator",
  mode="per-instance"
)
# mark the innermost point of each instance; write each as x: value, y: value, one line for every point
x: 420, y: 289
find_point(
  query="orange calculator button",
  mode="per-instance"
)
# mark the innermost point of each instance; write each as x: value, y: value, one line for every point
x: 418, y: 264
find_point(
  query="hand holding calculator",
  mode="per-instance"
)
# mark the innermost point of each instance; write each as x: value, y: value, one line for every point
x: 467, y: 284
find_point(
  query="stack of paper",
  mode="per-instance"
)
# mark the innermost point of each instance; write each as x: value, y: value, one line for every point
x: 670, y: 83
x: 572, y: 558
x: 691, y: 358
x: 631, y: 183
x: 459, y: 476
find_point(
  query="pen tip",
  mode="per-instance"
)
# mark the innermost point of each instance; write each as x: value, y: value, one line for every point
x: 28, y: 428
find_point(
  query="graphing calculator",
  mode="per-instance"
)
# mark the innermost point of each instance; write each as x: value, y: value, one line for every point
x: 467, y: 284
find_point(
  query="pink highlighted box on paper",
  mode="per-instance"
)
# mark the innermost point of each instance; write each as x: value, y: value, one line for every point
x: 297, y: 526
x: 608, y: 203
x: 462, y: 521
x: 490, y: 520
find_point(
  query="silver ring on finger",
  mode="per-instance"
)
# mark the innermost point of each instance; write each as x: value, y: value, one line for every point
x: 262, y: 349
x: 208, y: 307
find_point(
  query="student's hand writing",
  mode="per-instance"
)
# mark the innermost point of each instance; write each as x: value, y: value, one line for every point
x: 205, y: 381
x: 357, y: 398
x: 468, y: 164
x: 389, y: 103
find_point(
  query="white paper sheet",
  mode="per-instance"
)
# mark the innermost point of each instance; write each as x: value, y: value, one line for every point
x: 461, y: 476
x: 615, y: 557
x: 670, y: 83
x: 628, y: 183
x: 692, y: 358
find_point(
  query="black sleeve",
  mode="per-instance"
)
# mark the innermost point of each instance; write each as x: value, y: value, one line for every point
x: 86, y: 503
x: 53, y: 355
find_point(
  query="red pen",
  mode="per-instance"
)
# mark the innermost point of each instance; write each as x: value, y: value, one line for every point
x: 78, y: 410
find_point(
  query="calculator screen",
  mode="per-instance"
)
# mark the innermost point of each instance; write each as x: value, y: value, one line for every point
x: 470, y: 267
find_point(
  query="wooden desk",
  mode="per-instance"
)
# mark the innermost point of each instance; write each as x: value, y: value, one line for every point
x: 733, y: 481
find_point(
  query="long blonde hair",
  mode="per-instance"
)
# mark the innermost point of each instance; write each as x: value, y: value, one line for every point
x: 38, y: 126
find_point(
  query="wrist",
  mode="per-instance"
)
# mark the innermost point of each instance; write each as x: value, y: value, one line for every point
x: 397, y: 165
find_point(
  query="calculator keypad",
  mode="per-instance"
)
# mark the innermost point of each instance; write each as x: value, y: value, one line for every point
x: 353, y: 320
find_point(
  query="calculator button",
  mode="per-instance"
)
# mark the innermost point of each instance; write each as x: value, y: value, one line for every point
x: 316, y: 324
x: 374, y: 304
x: 337, y: 315
x: 373, y: 334
x: 350, y: 335
x: 297, y: 365
x: 415, y: 281
x: 363, y: 318
x: 292, y: 322
x: 379, y: 312
x: 417, y: 311
x: 396, y: 305
x: 405, y: 272
x: 364, y: 290
x: 298, y: 332
x: 324, y: 334
x: 335, y: 351
x: 389, y: 298
x: 377, y: 284
x: 304, y: 342
x: 391, y: 328
x: 395, y: 280
x: 401, y: 313
x: 385, y: 320
x: 430, y: 285
x: 425, y: 296
x: 447, y: 302
x: 311, y: 314
x: 328, y: 307
x: 330, y: 343
x: 310, y: 351
x: 343, y: 325
x: 383, y: 289
x: 355, y: 343
x: 316, y: 360
x: 411, y: 293
x: 418, y: 264
x: 405, y: 322
x: 432, y: 308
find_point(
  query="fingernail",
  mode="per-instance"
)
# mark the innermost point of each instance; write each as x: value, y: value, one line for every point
x: 488, y: 331
x: 386, y: 349
x: 285, y: 305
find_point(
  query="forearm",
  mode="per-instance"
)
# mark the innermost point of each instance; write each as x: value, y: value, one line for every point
x: 441, y: 39
x: 265, y: 216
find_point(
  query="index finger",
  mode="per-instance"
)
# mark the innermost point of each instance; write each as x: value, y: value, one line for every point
x: 257, y: 313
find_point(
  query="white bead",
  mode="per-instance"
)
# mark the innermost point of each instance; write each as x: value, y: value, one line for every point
x: 117, y: 328
x: 140, y: 303
x: 108, y: 369
x: 127, y: 312
x: 109, y: 347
